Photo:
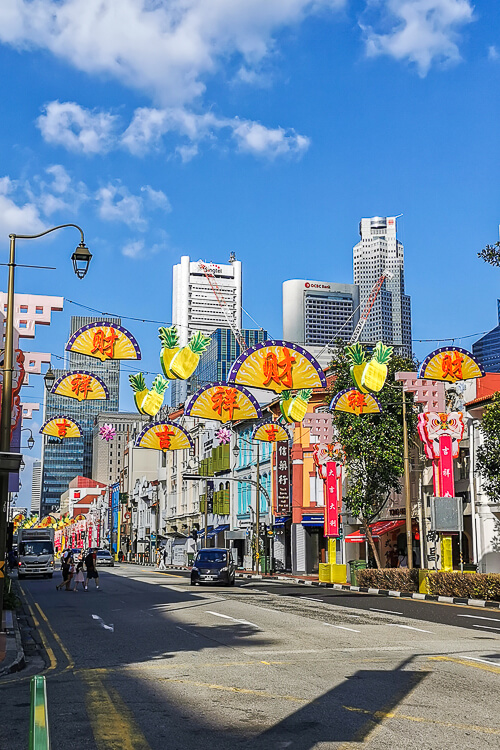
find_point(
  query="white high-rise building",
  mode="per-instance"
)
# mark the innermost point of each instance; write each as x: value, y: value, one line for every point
x: 198, y: 290
x: 379, y: 250
x: 36, y: 487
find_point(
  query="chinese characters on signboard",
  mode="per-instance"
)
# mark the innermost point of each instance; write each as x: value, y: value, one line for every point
x: 331, y: 504
x: 282, y: 479
x: 210, y: 496
x: 446, y: 482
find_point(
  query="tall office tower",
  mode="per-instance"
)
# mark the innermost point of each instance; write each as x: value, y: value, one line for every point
x: 205, y: 296
x: 63, y: 460
x: 216, y: 361
x: 108, y: 456
x: 379, y: 250
x: 318, y: 312
x: 487, y: 348
x: 36, y: 487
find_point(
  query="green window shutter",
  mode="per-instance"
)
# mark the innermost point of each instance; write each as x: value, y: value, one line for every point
x: 202, y: 503
x: 226, y: 509
x: 225, y: 457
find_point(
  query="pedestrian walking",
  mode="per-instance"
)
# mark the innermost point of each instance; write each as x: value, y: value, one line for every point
x: 12, y: 560
x: 66, y: 562
x: 78, y: 577
x: 91, y: 566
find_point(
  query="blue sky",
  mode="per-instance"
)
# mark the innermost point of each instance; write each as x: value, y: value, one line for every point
x: 263, y: 127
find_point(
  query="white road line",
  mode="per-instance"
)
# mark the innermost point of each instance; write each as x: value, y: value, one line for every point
x: 234, y: 619
x: 103, y: 624
x: 483, y: 661
x: 387, y: 611
x: 490, y: 627
x: 341, y: 628
x: 186, y: 631
x: 478, y: 617
x: 310, y: 599
x: 408, y: 627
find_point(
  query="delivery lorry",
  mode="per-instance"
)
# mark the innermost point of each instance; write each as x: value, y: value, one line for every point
x: 35, y: 553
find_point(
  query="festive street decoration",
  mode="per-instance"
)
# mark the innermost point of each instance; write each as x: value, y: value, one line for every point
x: 294, y: 408
x: 324, y: 452
x: 169, y: 338
x: 181, y: 362
x: 104, y: 340
x: 450, y: 364
x: 357, y: 356
x: 355, y: 402
x: 223, y: 435
x: 17, y: 382
x: 277, y: 366
x: 107, y: 432
x: 432, y: 425
x: 270, y: 432
x: 81, y: 385
x: 61, y: 427
x: 223, y: 403
x: 164, y: 436
x: 331, y: 500
x: 375, y: 372
x: 148, y: 401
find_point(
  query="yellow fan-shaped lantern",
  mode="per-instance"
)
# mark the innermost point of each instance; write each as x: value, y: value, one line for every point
x: 270, y: 432
x: 223, y: 403
x: 450, y: 364
x: 352, y: 401
x: 61, y: 427
x: 82, y: 385
x: 164, y: 436
x: 277, y: 366
x: 104, y: 340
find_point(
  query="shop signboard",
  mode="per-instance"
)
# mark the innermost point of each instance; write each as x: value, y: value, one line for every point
x: 210, y: 496
x: 282, y: 478
x: 331, y: 501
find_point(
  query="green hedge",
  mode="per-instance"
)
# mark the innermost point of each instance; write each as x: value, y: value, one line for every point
x: 465, y: 585
x: 395, y: 579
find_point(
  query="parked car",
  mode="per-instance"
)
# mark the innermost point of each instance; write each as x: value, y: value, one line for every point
x: 104, y: 557
x: 213, y: 565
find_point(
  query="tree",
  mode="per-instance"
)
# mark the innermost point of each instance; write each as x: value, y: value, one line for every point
x: 488, y: 454
x: 491, y: 254
x: 372, y: 444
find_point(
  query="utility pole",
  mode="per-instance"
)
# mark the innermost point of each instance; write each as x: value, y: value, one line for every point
x: 409, y: 543
x: 206, y: 513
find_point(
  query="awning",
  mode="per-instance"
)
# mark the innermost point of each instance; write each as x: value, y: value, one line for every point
x: 218, y: 529
x: 201, y: 532
x: 313, y: 520
x: 281, y: 521
x: 377, y: 529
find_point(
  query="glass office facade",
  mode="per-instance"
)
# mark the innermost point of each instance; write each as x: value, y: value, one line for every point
x: 216, y: 361
x: 64, y: 460
x: 487, y: 349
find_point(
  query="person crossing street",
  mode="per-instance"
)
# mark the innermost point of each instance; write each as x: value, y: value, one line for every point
x: 91, y: 567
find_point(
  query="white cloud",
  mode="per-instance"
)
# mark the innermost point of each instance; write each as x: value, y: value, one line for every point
x: 422, y: 32
x: 166, y: 48
x: 268, y: 142
x: 134, y: 249
x: 157, y: 198
x: 76, y: 128
x: 16, y: 214
x: 116, y: 203
x: 59, y: 193
x: 493, y: 53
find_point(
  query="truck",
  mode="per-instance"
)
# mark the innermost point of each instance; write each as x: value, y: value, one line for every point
x: 35, y: 553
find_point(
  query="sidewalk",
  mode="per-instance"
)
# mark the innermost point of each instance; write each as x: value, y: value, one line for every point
x: 11, y: 648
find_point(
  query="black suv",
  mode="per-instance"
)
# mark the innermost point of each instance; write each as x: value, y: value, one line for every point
x: 213, y: 565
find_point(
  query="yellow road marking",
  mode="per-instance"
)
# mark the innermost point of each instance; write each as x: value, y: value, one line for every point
x: 61, y: 645
x: 113, y: 724
x: 423, y: 720
x: 467, y: 663
x: 231, y: 689
x: 48, y: 649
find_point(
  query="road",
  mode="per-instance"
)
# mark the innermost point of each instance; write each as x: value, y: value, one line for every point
x: 150, y: 663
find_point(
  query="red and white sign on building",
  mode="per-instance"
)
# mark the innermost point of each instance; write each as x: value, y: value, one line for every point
x: 446, y: 479
x: 282, y: 478
x: 331, y: 501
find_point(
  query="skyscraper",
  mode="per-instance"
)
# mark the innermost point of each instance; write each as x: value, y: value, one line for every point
x: 216, y: 361
x: 318, y: 312
x: 487, y: 348
x: 379, y: 250
x: 63, y: 460
x: 205, y: 296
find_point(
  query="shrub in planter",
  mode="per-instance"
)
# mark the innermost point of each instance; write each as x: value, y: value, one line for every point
x: 395, y: 579
x: 465, y: 585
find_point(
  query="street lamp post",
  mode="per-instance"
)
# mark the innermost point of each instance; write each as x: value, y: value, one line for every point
x: 81, y: 259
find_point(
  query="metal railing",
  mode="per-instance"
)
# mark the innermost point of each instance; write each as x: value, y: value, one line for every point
x: 39, y: 722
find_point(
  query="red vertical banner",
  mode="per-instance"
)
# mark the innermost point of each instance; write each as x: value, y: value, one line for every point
x: 331, y: 507
x: 282, y: 473
x: 446, y: 479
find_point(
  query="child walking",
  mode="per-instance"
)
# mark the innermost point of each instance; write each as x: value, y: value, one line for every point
x: 78, y: 577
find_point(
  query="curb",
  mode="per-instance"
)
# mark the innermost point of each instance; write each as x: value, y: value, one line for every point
x: 377, y: 592
x: 19, y: 661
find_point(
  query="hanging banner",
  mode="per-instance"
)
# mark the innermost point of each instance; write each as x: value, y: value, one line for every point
x: 446, y: 479
x: 82, y: 385
x: 282, y: 474
x: 450, y: 364
x: 331, y: 503
x: 210, y: 496
x: 223, y: 403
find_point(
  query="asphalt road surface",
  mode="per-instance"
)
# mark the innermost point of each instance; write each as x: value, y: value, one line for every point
x: 150, y: 663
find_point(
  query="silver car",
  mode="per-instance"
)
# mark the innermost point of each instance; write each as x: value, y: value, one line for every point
x: 104, y: 557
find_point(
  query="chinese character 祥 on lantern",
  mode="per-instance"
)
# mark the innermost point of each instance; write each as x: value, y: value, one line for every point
x: 225, y: 399
x: 81, y: 385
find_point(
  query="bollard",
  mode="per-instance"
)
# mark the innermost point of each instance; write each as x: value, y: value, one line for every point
x: 39, y: 722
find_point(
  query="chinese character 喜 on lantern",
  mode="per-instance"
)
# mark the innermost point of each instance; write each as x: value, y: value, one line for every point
x: 272, y: 369
x: 103, y: 344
